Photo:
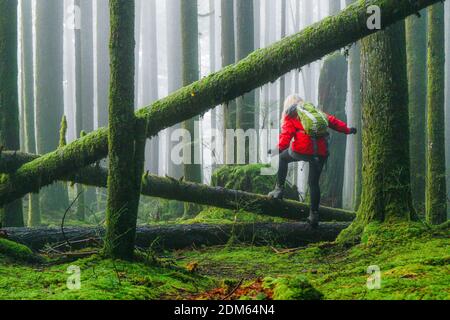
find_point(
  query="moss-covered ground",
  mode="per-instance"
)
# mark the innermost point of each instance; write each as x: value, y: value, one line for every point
x: 414, y: 261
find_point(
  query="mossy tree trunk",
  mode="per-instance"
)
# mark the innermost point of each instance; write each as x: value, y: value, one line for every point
x: 332, y: 99
x: 11, y: 214
x: 126, y: 137
x: 447, y: 100
x: 228, y: 58
x: 191, y: 70
x: 386, y: 182
x: 34, y: 214
x: 245, y: 44
x: 416, y: 50
x: 436, y: 189
x: 49, y: 91
x: 354, y: 62
x: 261, y: 67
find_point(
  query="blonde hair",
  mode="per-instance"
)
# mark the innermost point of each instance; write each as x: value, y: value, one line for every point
x: 293, y: 99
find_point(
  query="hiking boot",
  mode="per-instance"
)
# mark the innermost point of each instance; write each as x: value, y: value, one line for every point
x: 277, y: 194
x: 313, y: 219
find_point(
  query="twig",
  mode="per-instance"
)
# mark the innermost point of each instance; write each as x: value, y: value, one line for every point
x: 64, y: 218
x: 234, y: 290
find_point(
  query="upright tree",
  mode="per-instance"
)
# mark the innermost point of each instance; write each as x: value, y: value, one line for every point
x: 189, y: 30
x: 332, y: 99
x: 49, y: 101
x: 12, y: 214
x: 447, y: 97
x: 416, y: 51
x: 148, y: 91
x: 386, y: 182
x: 174, y: 75
x: 101, y: 60
x: 126, y: 137
x: 436, y: 189
x: 34, y: 216
x: 245, y: 112
x: 87, y: 75
x: 228, y: 57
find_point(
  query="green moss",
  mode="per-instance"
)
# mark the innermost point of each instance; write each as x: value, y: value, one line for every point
x: 17, y: 252
x: 414, y: 263
x: 293, y: 288
x: 248, y: 178
x: 218, y: 216
x: 100, y: 279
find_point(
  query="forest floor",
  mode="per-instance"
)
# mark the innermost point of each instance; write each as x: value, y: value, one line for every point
x: 414, y: 261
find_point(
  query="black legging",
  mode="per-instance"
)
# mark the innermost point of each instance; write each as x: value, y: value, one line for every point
x: 315, y: 170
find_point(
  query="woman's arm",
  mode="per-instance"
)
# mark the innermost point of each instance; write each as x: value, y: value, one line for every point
x: 338, y: 125
x: 287, y: 133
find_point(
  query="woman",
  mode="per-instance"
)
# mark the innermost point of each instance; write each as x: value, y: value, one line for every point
x: 304, y: 148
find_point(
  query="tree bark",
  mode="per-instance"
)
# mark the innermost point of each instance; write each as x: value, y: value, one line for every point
x: 11, y: 214
x: 436, y: 189
x: 177, y: 237
x: 261, y: 67
x: 126, y: 137
x: 332, y: 99
x: 386, y: 182
x: 416, y: 49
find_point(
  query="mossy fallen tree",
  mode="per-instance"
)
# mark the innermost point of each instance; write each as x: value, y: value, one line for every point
x: 174, y: 237
x: 261, y: 67
x: 172, y: 189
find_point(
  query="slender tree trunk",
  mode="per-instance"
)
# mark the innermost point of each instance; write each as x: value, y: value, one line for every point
x: 416, y: 49
x: 49, y: 91
x: 447, y: 103
x: 189, y: 29
x: 34, y: 215
x: 436, y: 193
x: 245, y: 112
x: 87, y: 75
x: 332, y: 99
x: 148, y: 92
x: 259, y: 68
x: 11, y: 214
x: 126, y: 137
x: 282, y: 79
x: 386, y: 182
x: 174, y: 74
x: 228, y: 57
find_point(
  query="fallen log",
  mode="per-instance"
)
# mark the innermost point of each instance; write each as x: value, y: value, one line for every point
x: 261, y: 67
x: 174, y: 237
x: 172, y: 189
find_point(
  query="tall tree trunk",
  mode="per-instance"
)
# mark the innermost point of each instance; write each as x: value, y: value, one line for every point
x: 354, y: 62
x: 148, y: 91
x: 282, y: 79
x: 332, y: 99
x: 228, y: 57
x: 447, y: 99
x: 11, y: 214
x: 101, y: 61
x: 126, y: 137
x: 34, y: 215
x: 174, y: 74
x: 245, y: 112
x: 416, y: 50
x: 79, y: 88
x: 87, y: 75
x: 436, y: 193
x: 259, y: 68
x: 137, y: 49
x: 189, y: 30
x: 386, y: 182
x: 49, y: 91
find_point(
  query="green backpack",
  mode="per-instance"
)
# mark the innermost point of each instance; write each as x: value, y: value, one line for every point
x: 314, y: 122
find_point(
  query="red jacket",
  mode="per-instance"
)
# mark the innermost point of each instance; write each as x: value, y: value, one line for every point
x: 303, y: 144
